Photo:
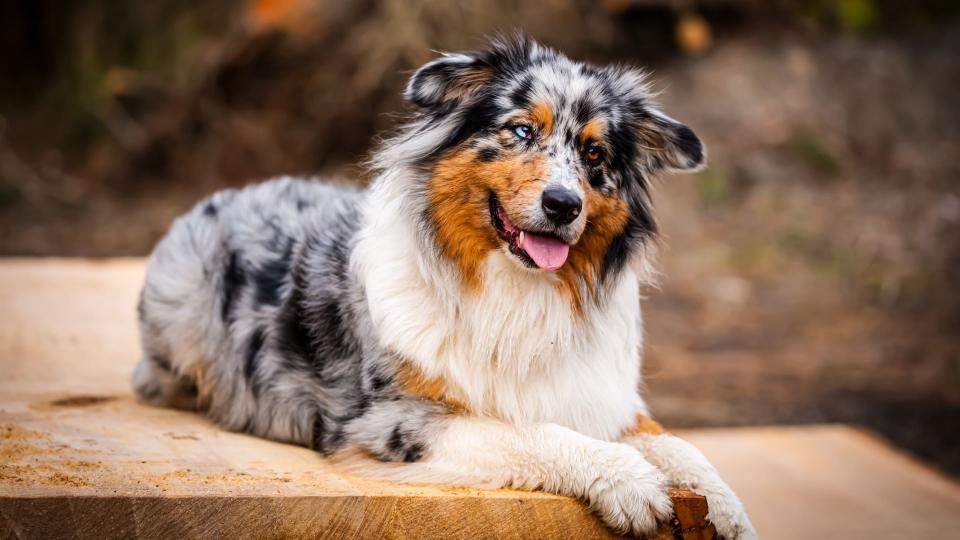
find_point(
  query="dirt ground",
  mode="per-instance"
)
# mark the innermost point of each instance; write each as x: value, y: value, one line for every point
x: 810, y: 274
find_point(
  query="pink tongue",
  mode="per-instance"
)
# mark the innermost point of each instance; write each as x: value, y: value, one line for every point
x: 548, y: 252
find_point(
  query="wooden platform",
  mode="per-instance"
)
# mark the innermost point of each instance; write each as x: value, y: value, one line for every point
x: 80, y: 458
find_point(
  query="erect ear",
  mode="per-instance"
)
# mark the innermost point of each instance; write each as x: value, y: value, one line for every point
x: 670, y: 144
x: 447, y: 80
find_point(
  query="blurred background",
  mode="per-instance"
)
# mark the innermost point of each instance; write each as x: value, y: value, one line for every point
x: 810, y: 274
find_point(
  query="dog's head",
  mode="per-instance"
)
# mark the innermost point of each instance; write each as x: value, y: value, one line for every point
x: 547, y: 159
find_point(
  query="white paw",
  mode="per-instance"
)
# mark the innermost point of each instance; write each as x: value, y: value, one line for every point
x: 727, y: 514
x: 628, y: 492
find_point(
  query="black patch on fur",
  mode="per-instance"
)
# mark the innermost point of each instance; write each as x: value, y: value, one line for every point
x: 583, y: 110
x: 520, y: 96
x: 379, y: 382
x: 161, y: 361
x: 395, y: 443
x: 478, y: 118
x: 331, y: 332
x: 234, y: 279
x: 335, y: 440
x: 293, y: 336
x: 210, y: 209
x: 329, y: 324
x: 595, y: 176
x: 414, y: 453
x: 640, y: 225
x: 509, y: 55
x: 689, y: 144
x: 302, y: 205
x: 319, y: 432
x: 253, y: 354
x: 189, y: 388
x: 616, y: 256
x: 271, y: 276
x: 374, y: 378
x: 359, y: 407
x: 486, y: 155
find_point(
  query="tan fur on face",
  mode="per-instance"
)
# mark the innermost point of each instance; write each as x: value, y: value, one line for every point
x: 459, y: 197
x: 542, y: 117
x: 592, y: 132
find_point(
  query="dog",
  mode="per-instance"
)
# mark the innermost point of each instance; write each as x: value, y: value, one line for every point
x: 472, y: 316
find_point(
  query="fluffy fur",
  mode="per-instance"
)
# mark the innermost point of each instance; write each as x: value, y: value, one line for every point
x: 413, y: 323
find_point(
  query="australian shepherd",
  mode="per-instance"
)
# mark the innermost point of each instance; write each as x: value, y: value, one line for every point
x: 473, y: 315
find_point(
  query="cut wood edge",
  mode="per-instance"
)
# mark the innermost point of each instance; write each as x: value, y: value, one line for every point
x: 387, y: 517
x: 689, y: 518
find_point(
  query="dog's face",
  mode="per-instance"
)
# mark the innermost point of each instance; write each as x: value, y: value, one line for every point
x: 544, y: 158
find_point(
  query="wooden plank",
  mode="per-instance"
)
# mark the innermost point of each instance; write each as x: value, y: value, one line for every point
x: 80, y: 457
x: 831, y: 482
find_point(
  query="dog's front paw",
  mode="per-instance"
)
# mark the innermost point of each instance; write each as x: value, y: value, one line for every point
x: 727, y: 514
x: 628, y: 493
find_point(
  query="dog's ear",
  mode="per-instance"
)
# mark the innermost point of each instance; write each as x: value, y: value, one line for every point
x: 450, y: 79
x: 662, y: 142
x: 670, y: 144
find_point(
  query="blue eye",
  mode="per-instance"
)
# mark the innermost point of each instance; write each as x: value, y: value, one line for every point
x: 524, y: 132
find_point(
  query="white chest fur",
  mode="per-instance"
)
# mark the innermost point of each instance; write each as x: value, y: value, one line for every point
x: 515, y: 350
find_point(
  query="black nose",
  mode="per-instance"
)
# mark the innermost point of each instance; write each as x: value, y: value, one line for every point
x: 561, y: 205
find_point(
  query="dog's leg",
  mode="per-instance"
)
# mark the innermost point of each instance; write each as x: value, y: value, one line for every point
x: 685, y: 466
x: 616, y: 481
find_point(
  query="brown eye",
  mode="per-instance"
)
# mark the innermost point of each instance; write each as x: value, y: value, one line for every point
x: 593, y: 154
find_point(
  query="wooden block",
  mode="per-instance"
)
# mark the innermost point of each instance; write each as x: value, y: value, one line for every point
x: 690, y: 518
x: 80, y: 457
x: 106, y: 466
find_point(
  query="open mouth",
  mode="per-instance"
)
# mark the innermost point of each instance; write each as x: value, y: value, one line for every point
x: 535, y: 249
